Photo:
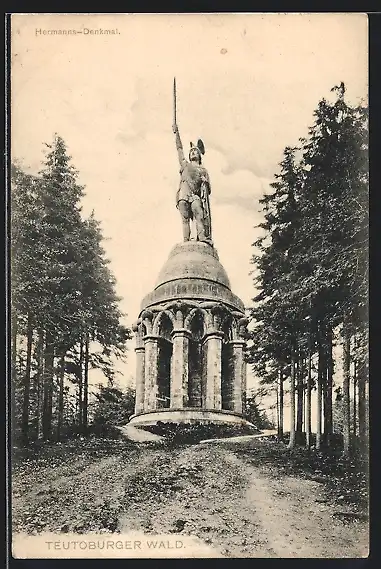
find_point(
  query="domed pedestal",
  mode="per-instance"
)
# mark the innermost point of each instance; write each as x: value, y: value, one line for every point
x: 193, y: 271
x: 190, y: 342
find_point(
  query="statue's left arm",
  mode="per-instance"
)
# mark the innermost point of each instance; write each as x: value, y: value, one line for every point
x: 179, y: 146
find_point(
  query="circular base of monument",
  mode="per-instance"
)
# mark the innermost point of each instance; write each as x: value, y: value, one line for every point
x: 189, y: 416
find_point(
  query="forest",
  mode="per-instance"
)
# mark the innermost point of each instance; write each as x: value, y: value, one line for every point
x: 311, y: 273
x: 65, y: 315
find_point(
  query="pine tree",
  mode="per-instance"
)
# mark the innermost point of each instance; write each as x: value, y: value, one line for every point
x: 63, y: 294
x: 312, y: 260
x: 335, y: 162
x: 25, y: 295
x: 60, y: 196
x: 278, y: 309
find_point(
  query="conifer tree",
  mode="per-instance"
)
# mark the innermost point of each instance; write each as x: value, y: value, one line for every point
x: 312, y: 259
x: 65, y: 311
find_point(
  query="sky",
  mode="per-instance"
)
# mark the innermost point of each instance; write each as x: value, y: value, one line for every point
x: 247, y: 84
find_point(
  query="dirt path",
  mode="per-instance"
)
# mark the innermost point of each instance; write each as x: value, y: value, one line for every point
x: 239, y: 506
x: 296, y: 519
x: 244, y: 512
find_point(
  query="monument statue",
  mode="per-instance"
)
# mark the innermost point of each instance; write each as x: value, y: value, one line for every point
x: 192, y: 197
x: 191, y: 328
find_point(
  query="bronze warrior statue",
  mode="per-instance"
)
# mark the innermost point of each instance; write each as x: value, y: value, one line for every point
x: 192, y: 197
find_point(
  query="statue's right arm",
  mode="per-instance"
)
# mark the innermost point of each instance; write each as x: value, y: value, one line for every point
x: 179, y: 145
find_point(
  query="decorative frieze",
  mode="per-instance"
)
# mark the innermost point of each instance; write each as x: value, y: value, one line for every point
x: 192, y: 289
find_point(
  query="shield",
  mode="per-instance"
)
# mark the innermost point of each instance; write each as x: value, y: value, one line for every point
x: 206, y: 208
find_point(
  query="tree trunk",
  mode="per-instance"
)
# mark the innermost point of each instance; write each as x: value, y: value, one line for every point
x: 355, y: 399
x: 346, y: 388
x: 281, y: 406
x: 48, y: 387
x: 14, y: 346
x: 61, y: 397
x: 308, y: 400
x: 321, y: 370
x: 361, y: 380
x: 328, y: 419
x: 13, y: 365
x: 299, y: 407
x: 277, y: 406
x: 86, y: 384
x: 304, y: 405
x: 292, y: 442
x: 80, y: 386
x: 76, y: 409
x: 26, y: 394
x: 40, y: 382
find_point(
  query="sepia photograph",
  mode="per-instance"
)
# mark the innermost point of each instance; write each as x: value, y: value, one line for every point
x: 188, y: 206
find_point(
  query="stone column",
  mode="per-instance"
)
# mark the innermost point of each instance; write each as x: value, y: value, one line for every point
x: 244, y: 381
x: 150, y: 372
x: 179, y: 368
x: 139, y: 378
x: 139, y: 394
x: 213, y: 370
x: 237, y: 379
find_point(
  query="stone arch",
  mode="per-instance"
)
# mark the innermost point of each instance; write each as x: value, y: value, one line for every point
x: 159, y: 318
x: 193, y: 314
x: 226, y: 326
x: 234, y: 329
x: 227, y: 361
x: 140, y: 331
x: 147, y: 320
x: 163, y: 328
x: 242, y: 332
x: 196, y: 324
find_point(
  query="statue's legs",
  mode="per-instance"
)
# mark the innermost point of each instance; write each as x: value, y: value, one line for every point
x: 183, y: 206
x: 198, y: 215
